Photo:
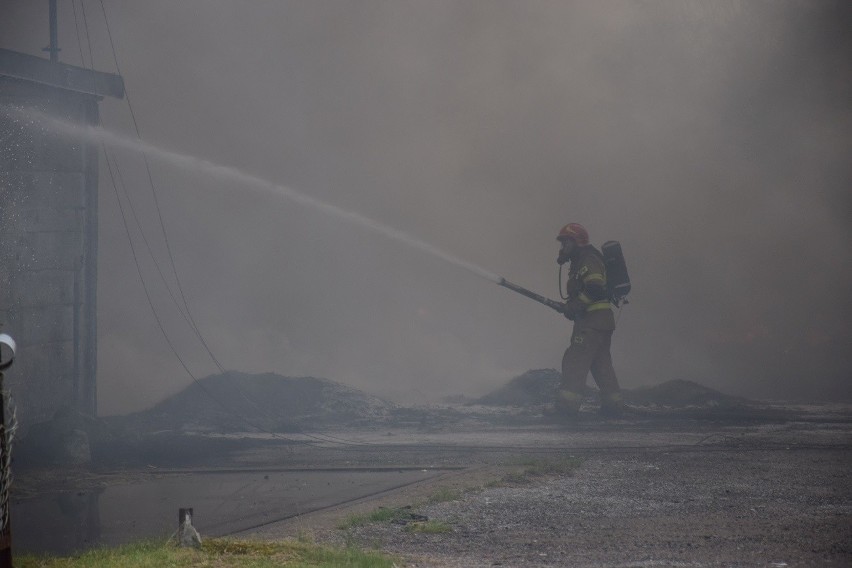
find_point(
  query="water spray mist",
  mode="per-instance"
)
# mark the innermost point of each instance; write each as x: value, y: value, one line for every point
x: 99, y: 135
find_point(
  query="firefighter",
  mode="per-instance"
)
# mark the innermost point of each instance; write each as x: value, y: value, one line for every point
x: 589, y: 308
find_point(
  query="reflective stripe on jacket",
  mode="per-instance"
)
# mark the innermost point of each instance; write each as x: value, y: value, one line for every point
x: 588, y: 272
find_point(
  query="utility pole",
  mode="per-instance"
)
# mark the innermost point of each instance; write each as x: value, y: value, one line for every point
x: 53, y: 49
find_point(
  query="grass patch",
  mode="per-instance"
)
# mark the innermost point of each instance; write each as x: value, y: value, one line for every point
x: 428, y: 527
x: 514, y: 477
x: 523, y: 471
x: 443, y: 495
x: 559, y: 466
x: 537, y: 467
x: 215, y: 553
x: 380, y: 515
x: 399, y: 514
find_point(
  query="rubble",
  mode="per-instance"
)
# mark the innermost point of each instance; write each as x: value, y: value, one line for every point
x: 215, y: 414
x: 539, y: 386
x: 532, y: 388
x: 268, y: 402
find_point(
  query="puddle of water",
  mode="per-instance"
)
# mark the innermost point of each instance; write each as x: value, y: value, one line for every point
x: 223, y: 503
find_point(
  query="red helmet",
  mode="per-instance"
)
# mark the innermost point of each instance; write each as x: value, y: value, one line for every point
x: 574, y: 231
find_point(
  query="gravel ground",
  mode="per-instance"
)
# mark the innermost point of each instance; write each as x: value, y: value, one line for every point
x: 712, y: 509
x: 747, y: 495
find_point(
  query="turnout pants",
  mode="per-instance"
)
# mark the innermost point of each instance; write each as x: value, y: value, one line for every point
x: 589, y: 351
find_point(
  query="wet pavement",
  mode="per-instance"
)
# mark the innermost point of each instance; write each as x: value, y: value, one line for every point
x: 719, y: 489
x: 224, y: 502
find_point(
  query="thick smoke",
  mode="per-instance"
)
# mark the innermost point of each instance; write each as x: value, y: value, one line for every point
x: 710, y: 138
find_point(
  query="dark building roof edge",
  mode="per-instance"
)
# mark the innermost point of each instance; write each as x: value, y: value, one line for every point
x: 27, y: 67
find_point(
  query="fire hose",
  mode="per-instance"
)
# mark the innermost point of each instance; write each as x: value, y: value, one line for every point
x: 552, y: 304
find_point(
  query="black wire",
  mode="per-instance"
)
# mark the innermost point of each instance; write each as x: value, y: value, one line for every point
x: 157, y: 265
x: 159, y: 270
x: 188, y: 314
x: 145, y: 240
x: 77, y: 28
x: 151, y: 302
x: 696, y: 447
x: 191, y: 319
x: 89, y: 42
x: 159, y: 323
x: 321, y: 438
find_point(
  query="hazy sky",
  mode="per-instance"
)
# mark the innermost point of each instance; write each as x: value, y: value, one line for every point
x: 711, y: 138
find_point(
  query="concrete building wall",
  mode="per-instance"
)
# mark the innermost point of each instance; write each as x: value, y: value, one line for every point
x: 48, y: 252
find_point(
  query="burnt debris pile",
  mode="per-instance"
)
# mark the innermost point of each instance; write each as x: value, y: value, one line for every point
x: 242, y: 402
x: 187, y: 427
x: 535, y: 387
x: 212, y: 416
x: 681, y: 393
x: 538, y: 388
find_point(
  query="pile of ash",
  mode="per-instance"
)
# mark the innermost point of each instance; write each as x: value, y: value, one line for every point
x: 242, y: 402
x: 538, y: 387
x: 174, y: 431
x: 680, y: 393
x: 533, y: 388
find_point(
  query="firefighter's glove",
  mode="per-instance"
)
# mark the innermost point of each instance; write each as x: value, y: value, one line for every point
x: 573, y: 309
x: 573, y: 288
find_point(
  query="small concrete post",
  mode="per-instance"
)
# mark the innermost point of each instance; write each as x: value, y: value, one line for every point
x: 187, y: 535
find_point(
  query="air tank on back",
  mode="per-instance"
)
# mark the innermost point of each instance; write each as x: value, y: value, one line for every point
x: 617, y: 280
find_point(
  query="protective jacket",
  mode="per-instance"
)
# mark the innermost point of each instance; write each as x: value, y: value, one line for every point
x: 591, y: 337
x: 587, y: 283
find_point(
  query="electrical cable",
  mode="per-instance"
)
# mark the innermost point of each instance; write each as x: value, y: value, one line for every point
x: 191, y: 320
x: 320, y: 438
x: 698, y: 446
x: 89, y: 42
x: 326, y: 438
x: 169, y: 342
x: 113, y: 162
x: 133, y: 210
x: 144, y: 238
x: 151, y: 302
x: 77, y: 28
x: 154, y: 190
x: 188, y: 314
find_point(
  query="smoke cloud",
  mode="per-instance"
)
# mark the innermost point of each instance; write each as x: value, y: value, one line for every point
x: 711, y: 138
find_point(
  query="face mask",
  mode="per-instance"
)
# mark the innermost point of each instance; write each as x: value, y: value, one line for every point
x: 565, y: 251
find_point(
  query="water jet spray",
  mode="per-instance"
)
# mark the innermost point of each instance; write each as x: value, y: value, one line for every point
x: 99, y: 135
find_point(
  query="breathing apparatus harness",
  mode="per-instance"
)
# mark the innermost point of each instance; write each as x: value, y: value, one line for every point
x: 617, y: 279
x: 618, y: 283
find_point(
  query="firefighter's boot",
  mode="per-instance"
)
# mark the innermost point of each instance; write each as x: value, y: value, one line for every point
x: 568, y: 403
x: 612, y: 404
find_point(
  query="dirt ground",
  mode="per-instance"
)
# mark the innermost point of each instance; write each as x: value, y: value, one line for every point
x: 654, y: 490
